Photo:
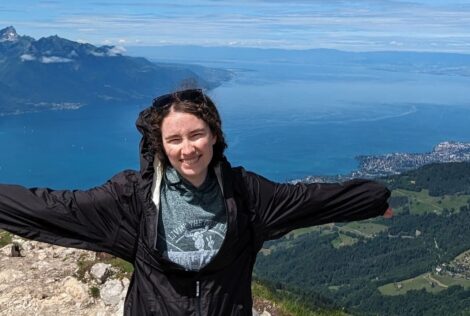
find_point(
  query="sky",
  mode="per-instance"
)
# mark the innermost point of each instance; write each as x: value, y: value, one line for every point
x: 356, y: 25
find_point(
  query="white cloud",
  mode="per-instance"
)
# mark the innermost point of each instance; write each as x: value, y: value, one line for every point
x: 116, y: 50
x: 54, y: 59
x: 27, y: 57
x: 397, y: 24
x: 97, y: 54
x: 112, y: 51
x: 395, y: 43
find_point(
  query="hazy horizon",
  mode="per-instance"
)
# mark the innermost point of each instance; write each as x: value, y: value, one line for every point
x: 364, y: 25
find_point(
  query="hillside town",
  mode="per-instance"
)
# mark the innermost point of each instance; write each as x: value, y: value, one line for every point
x: 457, y: 268
x: 374, y: 166
x: 396, y: 163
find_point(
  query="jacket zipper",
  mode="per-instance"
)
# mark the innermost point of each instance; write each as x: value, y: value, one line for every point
x: 198, y: 298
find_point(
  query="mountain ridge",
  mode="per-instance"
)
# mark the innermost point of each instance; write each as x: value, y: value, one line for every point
x: 53, y: 73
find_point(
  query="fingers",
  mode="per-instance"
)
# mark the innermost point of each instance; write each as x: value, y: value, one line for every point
x: 388, y: 213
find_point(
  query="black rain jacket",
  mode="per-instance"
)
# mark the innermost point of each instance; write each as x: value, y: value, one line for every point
x: 119, y: 217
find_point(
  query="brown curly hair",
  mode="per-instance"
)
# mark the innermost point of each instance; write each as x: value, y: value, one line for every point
x: 192, y: 101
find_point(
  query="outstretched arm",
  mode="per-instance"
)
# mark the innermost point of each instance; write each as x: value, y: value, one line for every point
x: 280, y: 208
x: 100, y: 219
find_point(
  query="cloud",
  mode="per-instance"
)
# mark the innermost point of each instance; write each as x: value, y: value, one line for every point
x: 263, y: 23
x: 97, y: 54
x: 110, y: 52
x: 115, y: 51
x: 27, y: 57
x: 54, y: 60
x: 395, y: 43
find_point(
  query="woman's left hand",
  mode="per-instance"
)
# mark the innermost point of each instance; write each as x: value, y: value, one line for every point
x: 388, y: 213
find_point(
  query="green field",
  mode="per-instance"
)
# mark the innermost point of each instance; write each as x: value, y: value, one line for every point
x: 298, y: 232
x: 450, y: 281
x: 429, y: 281
x: 421, y: 202
x: 287, y: 304
x: 343, y: 240
x: 364, y: 228
x: 417, y: 283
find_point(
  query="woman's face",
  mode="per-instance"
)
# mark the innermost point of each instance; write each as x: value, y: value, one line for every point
x: 188, y: 143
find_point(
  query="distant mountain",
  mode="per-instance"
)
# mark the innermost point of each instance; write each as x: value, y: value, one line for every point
x: 56, y: 73
x: 435, y: 63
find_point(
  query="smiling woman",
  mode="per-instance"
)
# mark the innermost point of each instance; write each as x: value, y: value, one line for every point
x: 189, y: 223
x: 188, y: 143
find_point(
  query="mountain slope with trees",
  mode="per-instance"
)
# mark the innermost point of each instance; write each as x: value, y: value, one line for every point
x: 413, y: 243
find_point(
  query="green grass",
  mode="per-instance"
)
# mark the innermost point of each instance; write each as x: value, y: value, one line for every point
x: 5, y: 238
x: 287, y: 305
x: 94, y: 292
x: 84, y: 266
x: 287, y: 242
x: 450, y: 281
x: 417, y: 283
x: 421, y: 202
x: 344, y: 240
x: 366, y: 227
x: 125, y: 268
x: 429, y: 281
x: 301, y: 231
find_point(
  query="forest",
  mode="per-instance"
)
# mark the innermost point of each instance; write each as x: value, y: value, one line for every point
x: 414, y: 243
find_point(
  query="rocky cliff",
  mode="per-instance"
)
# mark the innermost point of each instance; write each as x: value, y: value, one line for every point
x: 42, y: 279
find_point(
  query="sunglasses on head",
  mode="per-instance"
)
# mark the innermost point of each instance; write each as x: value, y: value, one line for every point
x: 192, y: 95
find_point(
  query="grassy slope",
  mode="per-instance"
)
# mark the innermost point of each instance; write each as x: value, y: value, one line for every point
x: 286, y: 304
x: 421, y: 202
x: 428, y: 281
x: 5, y: 238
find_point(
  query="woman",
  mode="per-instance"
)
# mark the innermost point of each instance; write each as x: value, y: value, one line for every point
x: 189, y: 222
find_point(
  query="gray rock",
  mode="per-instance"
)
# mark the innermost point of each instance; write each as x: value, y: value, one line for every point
x: 111, y: 292
x: 100, y: 272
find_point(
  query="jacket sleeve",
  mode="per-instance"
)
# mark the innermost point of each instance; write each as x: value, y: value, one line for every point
x: 101, y: 219
x: 280, y: 208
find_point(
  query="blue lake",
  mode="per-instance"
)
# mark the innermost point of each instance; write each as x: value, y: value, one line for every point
x: 284, y: 121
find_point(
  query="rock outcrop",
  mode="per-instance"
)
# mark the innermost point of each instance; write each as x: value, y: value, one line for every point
x: 43, y: 279
x: 46, y: 280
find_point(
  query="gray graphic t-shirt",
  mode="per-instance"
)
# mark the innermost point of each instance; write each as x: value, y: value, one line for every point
x: 192, y: 221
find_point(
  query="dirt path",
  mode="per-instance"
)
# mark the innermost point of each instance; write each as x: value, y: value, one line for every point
x: 429, y: 276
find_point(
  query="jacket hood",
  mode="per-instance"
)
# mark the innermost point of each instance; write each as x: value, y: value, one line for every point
x: 146, y: 153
